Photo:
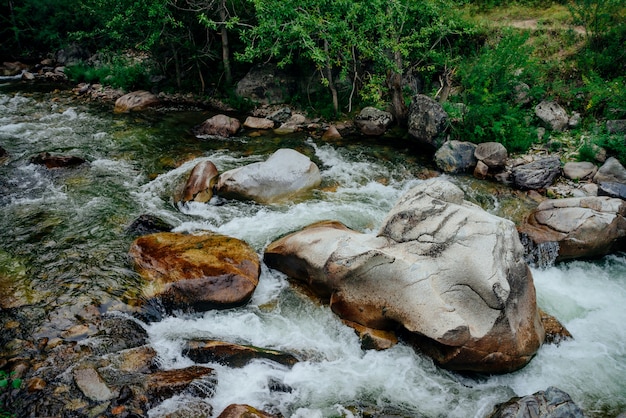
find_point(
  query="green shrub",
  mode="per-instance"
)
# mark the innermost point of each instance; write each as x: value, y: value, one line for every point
x: 614, y: 144
x: 490, y: 81
x: 118, y: 72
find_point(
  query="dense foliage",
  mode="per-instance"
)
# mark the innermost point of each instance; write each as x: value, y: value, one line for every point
x: 375, y: 52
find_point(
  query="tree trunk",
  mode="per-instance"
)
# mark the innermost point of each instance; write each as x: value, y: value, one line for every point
x: 225, y: 45
x: 399, y: 109
x: 331, y: 84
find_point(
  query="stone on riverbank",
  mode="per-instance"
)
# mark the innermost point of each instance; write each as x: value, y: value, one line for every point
x: 579, y: 170
x: 583, y: 227
x: 135, y: 101
x: 492, y: 154
x: 285, y: 174
x: 552, y: 114
x: 456, y: 156
x: 252, y: 122
x: 198, y: 272
x: 612, y: 171
x: 469, y: 310
x: 536, y: 175
x: 218, y: 125
x: 427, y: 120
x: 373, y: 122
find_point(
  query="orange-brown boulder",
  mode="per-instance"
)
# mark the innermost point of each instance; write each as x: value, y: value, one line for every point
x: 199, y: 186
x: 197, y: 272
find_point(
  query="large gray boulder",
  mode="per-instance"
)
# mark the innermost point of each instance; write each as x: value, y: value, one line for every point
x: 536, y: 175
x: 284, y: 175
x: 456, y: 156
x: 373, y: 122
x: 612, y: 171
x: 583, y: 227
x: 469, y: 309
x: 427, y: 120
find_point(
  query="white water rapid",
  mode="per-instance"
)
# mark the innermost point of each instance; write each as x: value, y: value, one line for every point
x: 335, y: 377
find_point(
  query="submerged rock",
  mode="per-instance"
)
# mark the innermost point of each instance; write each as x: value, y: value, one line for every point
x: 135, y: 101
x: 469, y: 310
x: 286, y: 174
x: 583, y: 227
x: 148, y: 224
x: 551, y: 403
x: 57, y: 161
x: 198, y: 272
x: 233, y: 355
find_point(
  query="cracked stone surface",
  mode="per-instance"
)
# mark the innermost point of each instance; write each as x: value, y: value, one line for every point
x: 441, y: 269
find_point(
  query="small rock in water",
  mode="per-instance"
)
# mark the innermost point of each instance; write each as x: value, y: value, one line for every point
x: 148, y: 224
x: 57, y: 161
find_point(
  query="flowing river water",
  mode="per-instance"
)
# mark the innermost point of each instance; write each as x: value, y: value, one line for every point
x: 64, y: 244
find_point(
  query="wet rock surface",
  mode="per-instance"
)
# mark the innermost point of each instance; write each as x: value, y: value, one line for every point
x: 57, y: 161
x: 584, y: 227
x: 285, y: 174
x: 233, y: 355
x: 200, y: 184
x: 551, y: 403
x: 197, y: 272
x: 418, y: 273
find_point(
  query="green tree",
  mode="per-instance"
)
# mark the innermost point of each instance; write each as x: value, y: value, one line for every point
x: 371, y: 42
x: 404, y: 36
x: 316, y: 30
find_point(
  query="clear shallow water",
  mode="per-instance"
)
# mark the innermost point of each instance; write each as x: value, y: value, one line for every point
x: 64, y: 242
